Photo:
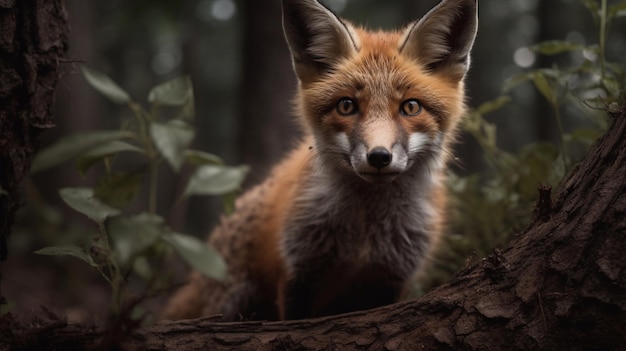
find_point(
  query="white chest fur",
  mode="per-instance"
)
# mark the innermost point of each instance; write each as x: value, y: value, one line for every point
x: 348, y: 222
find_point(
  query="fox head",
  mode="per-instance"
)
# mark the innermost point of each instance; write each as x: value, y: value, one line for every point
x: 380, y: 103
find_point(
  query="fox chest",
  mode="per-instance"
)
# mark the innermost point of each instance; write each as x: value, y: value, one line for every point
x: 356, y: 232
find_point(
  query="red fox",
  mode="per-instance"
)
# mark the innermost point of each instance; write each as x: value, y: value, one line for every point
x: 346, y: 220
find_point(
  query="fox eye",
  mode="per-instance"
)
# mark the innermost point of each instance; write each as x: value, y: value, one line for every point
x: 346, y: 107
x: 410, y: 107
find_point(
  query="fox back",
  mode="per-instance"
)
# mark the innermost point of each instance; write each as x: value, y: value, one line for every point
x: 345, y: 221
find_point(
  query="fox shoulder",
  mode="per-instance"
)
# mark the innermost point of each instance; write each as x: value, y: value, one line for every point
x: 248, y: 240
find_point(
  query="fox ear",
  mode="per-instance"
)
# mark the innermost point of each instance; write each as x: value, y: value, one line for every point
x: 316, y: 37
x: 443, y: 38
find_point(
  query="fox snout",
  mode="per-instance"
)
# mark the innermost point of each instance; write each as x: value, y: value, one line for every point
x: 379, y: 157
x: 383, y: 164
x: 379, y: 164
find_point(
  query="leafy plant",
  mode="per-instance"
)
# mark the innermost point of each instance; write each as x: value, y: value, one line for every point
x: 487, y: 208
x: 127, y: 244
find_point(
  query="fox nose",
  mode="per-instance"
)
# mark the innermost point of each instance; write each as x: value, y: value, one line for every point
x: 379, y: 157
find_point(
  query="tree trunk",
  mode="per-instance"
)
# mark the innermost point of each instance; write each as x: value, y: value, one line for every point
x: 33, y: 39
x: 561, y: 285
x: 266, y: 126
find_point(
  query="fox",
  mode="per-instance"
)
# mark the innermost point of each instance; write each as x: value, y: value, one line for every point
x: 349, y: 217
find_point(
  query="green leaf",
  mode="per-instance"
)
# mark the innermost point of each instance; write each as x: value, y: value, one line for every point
x: 133, y: 235
x: 215, y: 180
x: 516, y: 80
x: 554, y: 47
x: 545, y: 88
x: 537, y: 152
x: 176, y: 92
x: 612, y: 86
x: 141, y: 266
x: 119, y: 188
x: 105, y: 85
x: 493, y: 105
x: 614, y: 107
x: 67, y: 250
x: 83, y: 201
x: 201, y: 158
x: 617, y: 10
x: 188, y: 110
x: 489, y: 131
x: 583, y: 135
x: 171, y: 139
x: 198, y: 254
x: 228, y: 202
x: 74, y: 146
x: 593, y: 7
x: 541, y: 75
x: 101, y: 152
x: 617, y: 68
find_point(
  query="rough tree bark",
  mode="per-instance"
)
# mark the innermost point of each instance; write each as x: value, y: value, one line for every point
x: 561, y: 285
x: 33, y: 39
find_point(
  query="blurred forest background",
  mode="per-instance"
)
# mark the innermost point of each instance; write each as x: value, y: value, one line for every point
x: 235, y: 53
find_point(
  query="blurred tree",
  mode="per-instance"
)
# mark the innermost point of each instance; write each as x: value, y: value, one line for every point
x: 78, y: 108
x: 416, y: 9
x: 550, y: 25
x: 266, y: 126
x: 211, y: 37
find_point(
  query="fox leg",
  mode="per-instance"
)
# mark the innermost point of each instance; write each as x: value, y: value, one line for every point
x: 299, y: 294
x: 308, y: 294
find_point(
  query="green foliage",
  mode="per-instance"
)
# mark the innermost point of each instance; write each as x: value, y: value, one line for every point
x: 198, y: 255
x: 101, y: 152
x: 214, y: 179
x: 171, y: 139
x: 74, y: 146
x: 106, y: 86
x: 132, y: 236
x: 488, y: 208
x: 83, y: 201
x: 68, y: 250
x: 135, y: 244
x: 597, y: 81
x: 176, y: 92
